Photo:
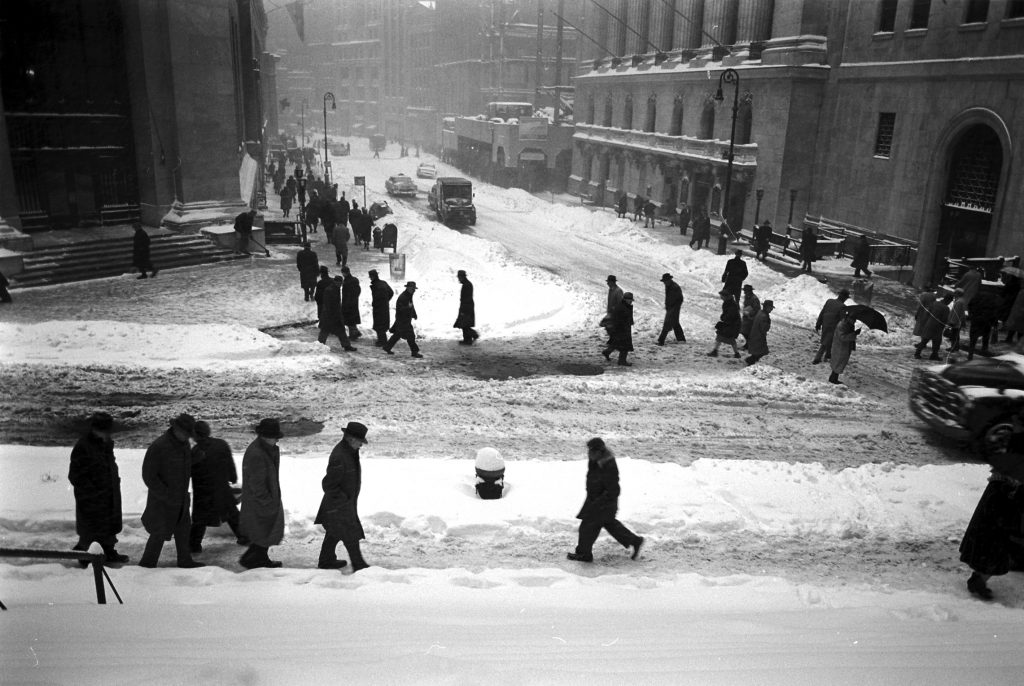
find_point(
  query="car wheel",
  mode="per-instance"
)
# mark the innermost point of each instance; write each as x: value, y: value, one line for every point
x: 994, y: 439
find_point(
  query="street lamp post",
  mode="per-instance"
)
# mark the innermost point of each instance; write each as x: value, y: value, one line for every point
x: 729, y: 76
x: 327, y: 160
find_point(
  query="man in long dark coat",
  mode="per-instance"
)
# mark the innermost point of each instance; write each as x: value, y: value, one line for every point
x: 213, y: 501
x: 762, y: 240
x: 405, y: 312
x: 757, y: 344
x: 933, y: 323
x: 734, y: 274
x: 350, y: 290
x: 318, y: 292
x: 339, y: 512
x: 614, y: 298
x: 984, y: 319
x: 140, y: 252
x: 727, y: 328
x: 861, y: 256
x: 380, y: 295
x: 808, y: 249
x: 243, y: 231
x: 308, y: 264
x: 261, y: 520
x: 601, y: 505
x: 93, y: 474
x: 828, y: 319
x: 751, y: 306
x: 466, y: 318
x: 166, y: 470
x: 684, y: 219
x: 673, y: 303
x: 389, y: 237
x: 621, y: 331
x: 331, y: 321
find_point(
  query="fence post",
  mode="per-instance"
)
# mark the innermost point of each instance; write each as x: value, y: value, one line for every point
x: 97, y: 572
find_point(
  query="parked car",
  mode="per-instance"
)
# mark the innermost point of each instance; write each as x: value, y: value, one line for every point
x: 971, y: 401
x: 378, y: 209
x: 426, y: 170
x: 400, y: 184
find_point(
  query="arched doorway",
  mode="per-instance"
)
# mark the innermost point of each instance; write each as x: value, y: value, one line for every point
x: 969, y: 197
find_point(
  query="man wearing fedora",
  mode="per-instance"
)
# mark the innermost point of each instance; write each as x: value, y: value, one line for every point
x: 93, y: 474
x: 262, y: 516
x: 466, y: 319
x: 621, y: 331
x: 405, y: 312
x: 166, y: 470
x: 673, y: 303
x: 213, y: 474
x: 338, y: 511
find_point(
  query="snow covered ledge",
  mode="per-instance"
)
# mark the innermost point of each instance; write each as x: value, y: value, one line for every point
x: 189, y: 217
x: 224, y: 234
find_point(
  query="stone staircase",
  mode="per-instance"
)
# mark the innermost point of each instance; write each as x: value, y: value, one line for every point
x: 104, y: 257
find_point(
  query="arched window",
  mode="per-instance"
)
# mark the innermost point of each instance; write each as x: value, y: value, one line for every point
x: 627, y: 113
x: 607, y: 111
x: 707, y: 120
x: 652, y: 113
x: 676, y: 127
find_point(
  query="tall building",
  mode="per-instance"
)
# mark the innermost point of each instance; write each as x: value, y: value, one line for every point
x: 118, y: 109
x: 889, y: 116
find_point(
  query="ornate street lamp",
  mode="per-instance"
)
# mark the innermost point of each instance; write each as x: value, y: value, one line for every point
x: 327, y: 159
x: 729, y: 76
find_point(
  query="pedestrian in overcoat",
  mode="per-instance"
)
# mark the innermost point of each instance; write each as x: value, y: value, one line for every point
x: 621, y: 206
x: 166, y: 470
x: 340, y: 240
x: 828, y: 319
x: 339, y: 508
x: 1011, y: 287
x: 684, y: 219
x: 984, y: 317
x: 308, y: 264
x: 405, y: 312
x: 751, y: 306
x: 261, y: 519
x: 140, y: 252
x: 287, y: 194
x: 621, y: 332
x: 861, y: 256
x: 844, y: 342
x: 213, y: 475
x: 808, y: 248
x: 970, y: 284
x: 389, y: 237
x: 601, y: 505
x: 638, y: 207
x: 380, y: 294
x: 466, y: 318
x: 991, y: 546
x: 243, y: 231
x: 673, y: 303
x: 757, y: 344
x: 318, y: 292
x: 97, y: 486
x: 734, y: 274
x: 956, y: 320
x: 331, y: 320
x: 925, y: 301
x: 762, y: 240
x: 932, y: 327
x: 727, y: 328
x: 350, y: 290
x: 614, y: 298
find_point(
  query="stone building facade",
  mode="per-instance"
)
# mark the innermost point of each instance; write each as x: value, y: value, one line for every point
x: 890, y: 116
x: 121, y: 109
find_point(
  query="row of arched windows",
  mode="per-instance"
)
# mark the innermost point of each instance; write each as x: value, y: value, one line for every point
x: 706, y: 126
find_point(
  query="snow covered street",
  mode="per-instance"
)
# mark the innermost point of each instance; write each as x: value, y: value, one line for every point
x: 797, y: 532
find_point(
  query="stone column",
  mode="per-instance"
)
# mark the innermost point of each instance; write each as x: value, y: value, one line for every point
x: 719, y: 22
x: 688, y: 26
x: 617, y: 41
x: 662, y: 26
x: 592, y: 27
x: 753, y: 25
x: 636, y: 19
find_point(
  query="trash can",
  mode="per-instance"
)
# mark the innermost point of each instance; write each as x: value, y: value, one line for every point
x: 397, y: 264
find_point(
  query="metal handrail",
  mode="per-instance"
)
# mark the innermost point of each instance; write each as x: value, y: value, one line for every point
x: 96, y: 560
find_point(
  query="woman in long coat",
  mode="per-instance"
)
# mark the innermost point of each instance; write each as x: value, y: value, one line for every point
x: 621, y: 331
x: 601, y: 505
x: 97, y: 484
x: 988, y: 545
x: 844, y: 342
x: 727, y: 328
x: 339, y: 508
x: 262, y: 517
x: 757, y: 344
x: 751, y: 306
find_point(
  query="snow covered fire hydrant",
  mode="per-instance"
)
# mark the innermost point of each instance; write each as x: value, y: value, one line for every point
x: 490, y: 474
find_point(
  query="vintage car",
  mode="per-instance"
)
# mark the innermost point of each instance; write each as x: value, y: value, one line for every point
x: 426, y: 170
x: 378, y: 209
x: 400, y: 184
x: 341, y: 149
x: 972, y: 401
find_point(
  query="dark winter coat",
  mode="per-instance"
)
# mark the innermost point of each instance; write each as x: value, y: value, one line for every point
x: 262, y: 514
x: 286, y: 199
x: 213, y: 472
x: 861, y: 253
x: 243, y: 223
x: 602, y: 501
x: 140, y: 249
x: 621, y: 331
x: 763, y: 237
x: 338, y: 511
x: 614, y: 298
x: 389, y: 236
x: 166, y: 470
x: 924, y: 304
x: 844, y: 342
x: 330, y: 312
x: 828, y: 318
x: 318, y: 294
x: 673, y: 296
x: 970, y: 284
x: 381, y: 294
x: 350, y: 291
x: 97, y: 484
x: 728, y: 326
x: 809, y: 245
x: 987, y: 545
x: 757, y: 342
x: 934, y: 322
x: 734, y: 274
x: 751, y: 306
x: 309, y: 268
x: 405, y: 312
x: 984, y: 309
x: 467, y: 310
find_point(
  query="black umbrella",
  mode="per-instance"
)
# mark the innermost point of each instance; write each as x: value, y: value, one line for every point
x: 871, y: 317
